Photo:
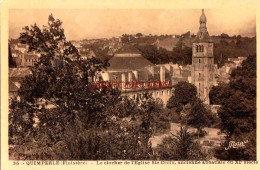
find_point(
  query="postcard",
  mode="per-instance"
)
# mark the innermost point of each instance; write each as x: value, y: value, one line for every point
x: 129, y: 84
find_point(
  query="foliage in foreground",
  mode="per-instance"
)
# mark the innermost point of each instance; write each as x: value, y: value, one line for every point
x: 61, y: 116
x: 189, y: 107
x: 238, y: 112
x: 181, y: 147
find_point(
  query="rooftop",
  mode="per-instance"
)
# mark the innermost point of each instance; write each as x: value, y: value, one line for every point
x: 128, y: 48
x: 31, y: 56
x: 128, y: 63
x: 12, y: 86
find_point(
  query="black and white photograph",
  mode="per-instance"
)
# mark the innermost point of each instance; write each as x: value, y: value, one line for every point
x: 132, y: 84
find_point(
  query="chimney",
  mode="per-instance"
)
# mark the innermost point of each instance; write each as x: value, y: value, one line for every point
x: 136, y: 74
x: 130, y: 76
x: 162, y: 73
x: 123, y: 81
x: 152, y: 70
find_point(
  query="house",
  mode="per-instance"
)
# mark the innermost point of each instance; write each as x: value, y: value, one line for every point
x: 29, y: 59
x: 13, y: 89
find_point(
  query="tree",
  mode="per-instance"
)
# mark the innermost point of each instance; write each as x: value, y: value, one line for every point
x: 238, y: 113
x: 190, y: 108
x: 60, y: 114
x: 223, y: 35
x: 218, y: 94
x: 181, y: 54
x: 184, y: 93
x: 12, y: 63
x: 180, y: 147
x: 139, y: 35
x: 199, y: 116
x: 154, y: 54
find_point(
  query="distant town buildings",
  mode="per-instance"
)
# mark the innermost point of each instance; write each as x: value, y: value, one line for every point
x: 128, y: 65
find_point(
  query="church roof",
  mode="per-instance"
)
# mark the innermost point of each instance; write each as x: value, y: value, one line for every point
x: 128, y: 48
x: 128, y: 58
x: 127, y: 63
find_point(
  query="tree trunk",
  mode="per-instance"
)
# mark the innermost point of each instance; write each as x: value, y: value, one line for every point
x: 198, y: 132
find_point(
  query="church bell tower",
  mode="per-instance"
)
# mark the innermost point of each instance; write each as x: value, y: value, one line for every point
x: 203, y: 61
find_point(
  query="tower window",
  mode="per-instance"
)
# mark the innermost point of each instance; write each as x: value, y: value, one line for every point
x: 199, y: 60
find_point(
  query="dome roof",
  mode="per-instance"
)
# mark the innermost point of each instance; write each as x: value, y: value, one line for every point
x: 203, y: 17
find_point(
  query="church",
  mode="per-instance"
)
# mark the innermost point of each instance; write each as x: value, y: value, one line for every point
x: 129, y: 65
x: 203, y: 68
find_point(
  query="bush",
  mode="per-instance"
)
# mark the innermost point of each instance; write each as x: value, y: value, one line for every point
x: 174, y: 117
x: 161, y: 122
x: 180, y: 147
x: 202, y: 133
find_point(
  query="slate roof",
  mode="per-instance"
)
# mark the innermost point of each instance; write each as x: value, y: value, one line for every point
x: 16, y: 51
x: 12, y: 86
x: 31, y: 56
x: 128, y: 48
x: 128, y: 63
x: 19, y: 72
x: 21, y: 46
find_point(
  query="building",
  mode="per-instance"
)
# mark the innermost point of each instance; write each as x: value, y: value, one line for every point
x: 128, y: 65
x: 16, y: 76
x: 13, y: 89
x: 29, y: 59
x: 203, y: 72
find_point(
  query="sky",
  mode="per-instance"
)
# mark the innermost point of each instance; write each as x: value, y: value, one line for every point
x: 106, y: 23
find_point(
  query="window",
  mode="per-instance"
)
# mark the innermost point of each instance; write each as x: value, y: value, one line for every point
x: 197, y: 48
x: 199, y: 60
x: 199, y: 74
x: 157, y: 93
x: 168, y: 92
x: 199, y: 85
x: 202, y: 48
x: 162, y: 93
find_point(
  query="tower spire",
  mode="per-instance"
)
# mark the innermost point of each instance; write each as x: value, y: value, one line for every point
x: 203, y: 35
